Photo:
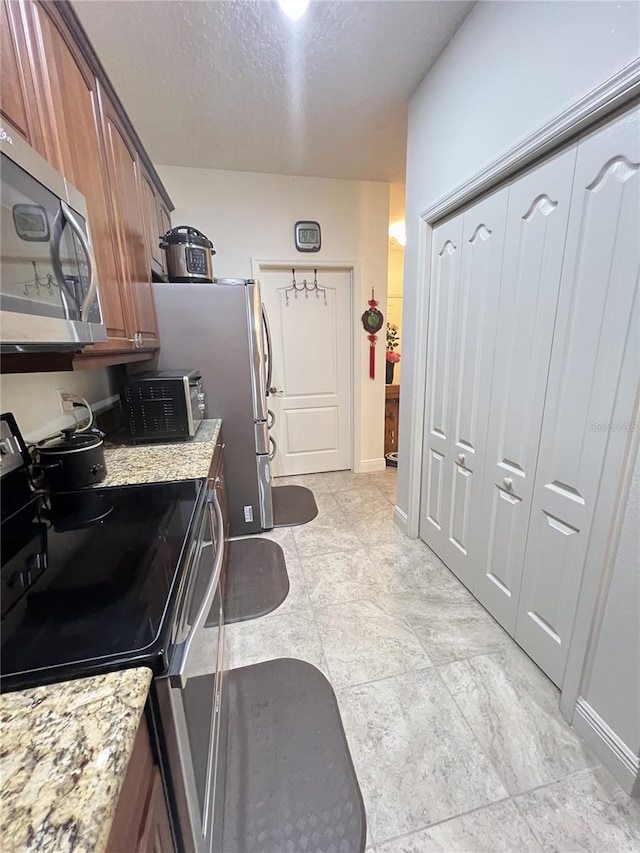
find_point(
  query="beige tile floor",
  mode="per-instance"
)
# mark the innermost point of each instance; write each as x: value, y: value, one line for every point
x: 455, y: 734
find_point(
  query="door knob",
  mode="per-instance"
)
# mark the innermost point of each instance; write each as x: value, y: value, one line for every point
x: 273, y: 390
x: 461, y: 458
x: 508, y: 483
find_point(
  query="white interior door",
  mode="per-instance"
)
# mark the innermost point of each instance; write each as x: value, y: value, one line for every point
x: 312, y: 370
x: 435, y: 500
x: 532, y: 264
x: 595, y: 364
x: 466, y: 283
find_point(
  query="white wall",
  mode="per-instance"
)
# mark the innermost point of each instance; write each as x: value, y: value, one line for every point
x: 249, y: 215
x: 509, y: 69
x: 32, y: 397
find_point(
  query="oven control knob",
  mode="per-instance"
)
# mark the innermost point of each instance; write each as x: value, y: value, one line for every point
x: 201, y: 406
x: 201, y: 396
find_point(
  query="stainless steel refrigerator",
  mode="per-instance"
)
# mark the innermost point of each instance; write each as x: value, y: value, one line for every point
x: 222, y: 330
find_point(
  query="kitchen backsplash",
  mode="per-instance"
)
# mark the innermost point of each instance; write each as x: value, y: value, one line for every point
x: 33, y: 400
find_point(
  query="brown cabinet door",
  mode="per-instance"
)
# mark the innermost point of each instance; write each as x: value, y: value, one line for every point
x: 164, y: 221
x: 156, y: 832
x: 141, y: 821
x: 17, y: 99
x: 151, y: 210
x: 124, y: 177
x: 391, y: 414
x: 73, y: 133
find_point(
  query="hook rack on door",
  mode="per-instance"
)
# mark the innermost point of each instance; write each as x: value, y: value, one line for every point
x: 305, y: 287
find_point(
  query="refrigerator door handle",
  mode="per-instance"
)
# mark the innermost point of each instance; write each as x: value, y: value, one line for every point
x: 271, y: 419
x: 267, y: 332
x: 274, y: 448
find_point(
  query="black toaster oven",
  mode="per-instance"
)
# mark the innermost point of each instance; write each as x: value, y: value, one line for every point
x: 165, y: 405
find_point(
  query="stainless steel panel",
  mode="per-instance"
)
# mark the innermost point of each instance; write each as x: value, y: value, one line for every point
x: 262, y: 438
x: 266, y: 498
x: 205, y: 326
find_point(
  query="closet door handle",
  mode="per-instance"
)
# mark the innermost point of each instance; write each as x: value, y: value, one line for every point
x: 508, y: 483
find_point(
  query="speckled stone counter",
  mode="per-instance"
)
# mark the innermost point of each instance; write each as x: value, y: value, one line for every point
x: 64, y: 751
x: 154, y: 463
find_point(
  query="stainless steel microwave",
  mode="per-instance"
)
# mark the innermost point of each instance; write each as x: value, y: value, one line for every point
x: 49, y: 297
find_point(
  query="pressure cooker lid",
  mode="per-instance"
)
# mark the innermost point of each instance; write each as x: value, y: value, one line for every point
x: 71, y: 441
x: 186, y: 235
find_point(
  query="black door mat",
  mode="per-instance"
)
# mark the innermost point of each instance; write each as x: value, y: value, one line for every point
x: 293, y: 505
x: 290, y: 784
x: 257, y: 580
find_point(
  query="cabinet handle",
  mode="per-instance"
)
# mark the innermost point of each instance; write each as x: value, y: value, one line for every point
x: 461, y: 458
x: 508, y: 483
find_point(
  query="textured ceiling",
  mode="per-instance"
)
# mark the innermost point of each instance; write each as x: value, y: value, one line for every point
x: 237, y: 85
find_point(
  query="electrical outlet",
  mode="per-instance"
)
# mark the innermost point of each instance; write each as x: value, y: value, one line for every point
x: 65, y: 400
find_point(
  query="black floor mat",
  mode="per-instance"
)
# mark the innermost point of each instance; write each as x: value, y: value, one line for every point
x: 290, y: 784
x: 257, y: 580
x: 293, y: 505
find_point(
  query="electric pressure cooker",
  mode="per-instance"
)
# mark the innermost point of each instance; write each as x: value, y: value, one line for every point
x: 189, y: 254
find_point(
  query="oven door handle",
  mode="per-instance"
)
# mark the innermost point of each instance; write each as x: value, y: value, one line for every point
x: 177, y: 673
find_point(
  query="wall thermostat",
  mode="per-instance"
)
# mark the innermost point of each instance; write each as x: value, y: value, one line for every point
x: 307, y: 236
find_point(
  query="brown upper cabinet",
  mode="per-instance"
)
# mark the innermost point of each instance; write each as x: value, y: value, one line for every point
x: 55, y: 93
x: 157, y: 223
x: 123, y: 169
x: 17, y: 96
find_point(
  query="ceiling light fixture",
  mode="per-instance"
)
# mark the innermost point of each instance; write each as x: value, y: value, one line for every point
x: 295, y: 9
x: 398, y: 232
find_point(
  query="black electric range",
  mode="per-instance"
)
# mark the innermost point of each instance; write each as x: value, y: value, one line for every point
x: 104, y: 579
x: 89, y: 578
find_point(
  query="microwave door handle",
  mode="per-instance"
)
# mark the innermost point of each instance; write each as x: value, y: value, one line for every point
x: 267, y: 331
x: 93, y: 284
x: 178, y: 675
x: 56, y: 238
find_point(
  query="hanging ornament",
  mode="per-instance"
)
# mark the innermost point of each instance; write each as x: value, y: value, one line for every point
x: 372, y: 321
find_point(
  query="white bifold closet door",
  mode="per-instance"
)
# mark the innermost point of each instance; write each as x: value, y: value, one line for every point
x: 533, y: 252
x: 532, y: 372
x: 467, y: 259
x: 593, y: 381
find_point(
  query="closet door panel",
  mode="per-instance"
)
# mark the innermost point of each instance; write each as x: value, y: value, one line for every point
x: 483, y: 244
x: 534, y: 248
x: 596, y: 335
x: 443, y: 300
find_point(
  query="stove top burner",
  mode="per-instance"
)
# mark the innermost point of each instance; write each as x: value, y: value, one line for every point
x: 87, y: 577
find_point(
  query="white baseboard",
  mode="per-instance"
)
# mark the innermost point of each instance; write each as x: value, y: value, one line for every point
x: 400, y: 519
x: 623, y: 763
x: 368, y: 466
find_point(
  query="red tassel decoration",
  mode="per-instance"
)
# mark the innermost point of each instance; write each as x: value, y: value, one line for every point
x: 372, y: 321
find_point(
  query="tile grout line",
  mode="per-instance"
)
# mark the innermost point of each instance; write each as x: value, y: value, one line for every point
x: 473, y: 734
x: 435, y: 823
x: 313, y: 613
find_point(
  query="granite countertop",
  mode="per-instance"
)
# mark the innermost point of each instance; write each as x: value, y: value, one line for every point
x: 154, y: 463
x: 63, y: 757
